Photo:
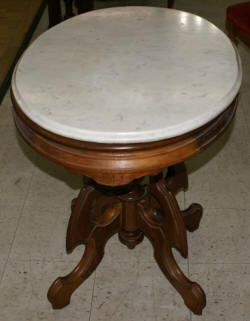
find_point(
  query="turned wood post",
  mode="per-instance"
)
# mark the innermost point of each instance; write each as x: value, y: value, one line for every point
x: 129, y: 233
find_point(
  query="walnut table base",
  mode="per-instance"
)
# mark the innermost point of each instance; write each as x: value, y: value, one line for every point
x: 132, y: 211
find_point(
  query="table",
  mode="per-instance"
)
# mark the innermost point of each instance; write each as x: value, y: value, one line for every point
x: 116, y: 95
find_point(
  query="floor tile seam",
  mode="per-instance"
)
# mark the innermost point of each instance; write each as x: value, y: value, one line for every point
x: 57, y: 217
x: 229, y: 212
x: 190, y: 314
x: 77, y: 261
x: 147, y: 261
x: 18, y: 223
x: 53, y: 209
x: 220, y: 263
x: 188, y: 258
x: 225, y: 208
x: 41, y: 261
x: 154, y: 299
x: 92, y: 296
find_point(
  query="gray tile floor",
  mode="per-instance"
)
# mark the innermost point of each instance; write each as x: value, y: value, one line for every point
x: 35, y: 199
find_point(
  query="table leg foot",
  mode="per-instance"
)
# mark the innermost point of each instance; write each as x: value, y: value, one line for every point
x: 192, y: 216
x: 61, y: 290
x: 191, y: 292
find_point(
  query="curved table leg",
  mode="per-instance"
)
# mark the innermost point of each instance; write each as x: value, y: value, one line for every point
x: 177, y: 179
x: 172, y: 222
x: 62, y: 288
x: 79, y: 226
x: 191, y: 292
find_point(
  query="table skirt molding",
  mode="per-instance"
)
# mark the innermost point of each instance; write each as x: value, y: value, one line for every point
x: 119, y: 164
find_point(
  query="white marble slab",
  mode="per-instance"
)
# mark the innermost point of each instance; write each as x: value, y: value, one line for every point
x: 129, y: 74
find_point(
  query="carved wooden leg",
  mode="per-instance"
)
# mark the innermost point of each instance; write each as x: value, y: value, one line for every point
x: 177, y: 179
x: 191, y: 292
x: 61, y: 290
x: 173, y: 221
x: 129, y: 233
x: 79, y: 226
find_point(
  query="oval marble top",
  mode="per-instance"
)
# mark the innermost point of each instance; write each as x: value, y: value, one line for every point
x: 127, y: 75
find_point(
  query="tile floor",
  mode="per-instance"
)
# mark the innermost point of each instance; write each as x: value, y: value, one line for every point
x: 35, y: 204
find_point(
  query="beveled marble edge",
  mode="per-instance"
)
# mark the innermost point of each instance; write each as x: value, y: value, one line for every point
x: 132, y: 137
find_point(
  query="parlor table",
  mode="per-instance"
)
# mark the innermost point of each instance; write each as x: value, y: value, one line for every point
x: 117, y: 95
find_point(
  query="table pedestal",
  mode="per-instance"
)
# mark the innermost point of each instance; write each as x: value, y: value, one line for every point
x: 132, y: 211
